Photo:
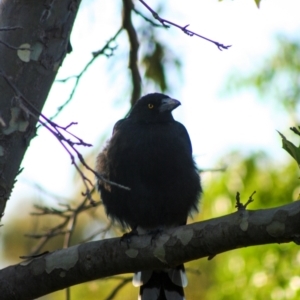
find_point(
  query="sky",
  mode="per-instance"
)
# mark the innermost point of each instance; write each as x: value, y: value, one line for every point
x: 216, y: 123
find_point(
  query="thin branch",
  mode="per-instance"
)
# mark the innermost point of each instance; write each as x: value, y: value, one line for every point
x: 65, y: 227
x: 8, y: 45
x: 13, y: 47
x: 239, y: 205
x: 147, y: 19
x: 101, y: 231
x: 118, y: 288
x: 107, y: 50
x: 44, y: 210
x: 223, y: 169
x: 42, y: 190
x: 54, y: 232
x: 165, y: 23
x: 61, y: 133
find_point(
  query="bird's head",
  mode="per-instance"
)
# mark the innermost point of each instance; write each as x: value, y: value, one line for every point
x: 154, y: 107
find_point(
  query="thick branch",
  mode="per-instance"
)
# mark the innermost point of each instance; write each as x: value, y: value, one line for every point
x: 81, y: 263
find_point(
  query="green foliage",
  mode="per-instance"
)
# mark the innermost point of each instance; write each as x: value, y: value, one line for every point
x: 291, y: 148
x: 257, y: 2
x: 259, y: 272
x: 157, y: 59
x: 269, y: 271
x: 277, y: 77
x: 154, y: 68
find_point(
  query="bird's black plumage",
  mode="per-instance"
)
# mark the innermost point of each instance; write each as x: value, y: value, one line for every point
x: 150, y: 153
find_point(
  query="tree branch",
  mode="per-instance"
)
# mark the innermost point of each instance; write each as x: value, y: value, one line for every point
x: 61, y: 133
x: 107, y: 50
x: 164, y: 22
x: 133, y: 55
x: 94, y: 260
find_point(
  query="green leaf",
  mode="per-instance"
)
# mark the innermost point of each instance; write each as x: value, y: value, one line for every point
x: 257, y: 3
x: 291, y: 148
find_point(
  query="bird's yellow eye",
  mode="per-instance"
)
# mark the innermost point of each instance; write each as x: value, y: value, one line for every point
x: 150, y: 105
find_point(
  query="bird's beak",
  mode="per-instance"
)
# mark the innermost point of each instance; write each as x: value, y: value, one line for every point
x: 168, y: 104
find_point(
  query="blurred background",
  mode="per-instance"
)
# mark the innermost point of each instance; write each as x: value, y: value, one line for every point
x: 233, y: 101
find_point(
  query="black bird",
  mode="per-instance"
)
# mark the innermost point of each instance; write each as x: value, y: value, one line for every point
x: 151, y: 153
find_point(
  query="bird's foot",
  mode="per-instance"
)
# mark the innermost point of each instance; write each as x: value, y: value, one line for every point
x: 154, y: 233
x: 128, y: 235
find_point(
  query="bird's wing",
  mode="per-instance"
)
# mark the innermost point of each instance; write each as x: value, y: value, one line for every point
x: 102, y: 164
x: 118, y: 125
x: 183, y: 135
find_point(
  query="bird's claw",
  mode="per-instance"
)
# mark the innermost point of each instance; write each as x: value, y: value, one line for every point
x: 128, y: 235
x: 155, y: 232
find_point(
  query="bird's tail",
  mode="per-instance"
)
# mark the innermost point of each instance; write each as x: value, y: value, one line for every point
x: 161, y: 285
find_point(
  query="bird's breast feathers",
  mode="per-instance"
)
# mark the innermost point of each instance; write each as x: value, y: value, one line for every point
x: 151, y: 149
x: 153, y: 136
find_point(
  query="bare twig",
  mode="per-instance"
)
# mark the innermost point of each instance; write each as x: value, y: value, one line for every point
x: 42, y: 190
x: 117, y: 289
x: 239, y: 205
x: 66, y: 227
x: 13, y: 47
x: 34, y: 256
x: 223, y: 169
x: 107, y: 50
x: 165, y: 23
x: 147, y: 19
x: 101, y: 231
x: 62, y: 134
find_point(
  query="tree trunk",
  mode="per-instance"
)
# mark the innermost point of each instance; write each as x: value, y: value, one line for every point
x: 34, y: 40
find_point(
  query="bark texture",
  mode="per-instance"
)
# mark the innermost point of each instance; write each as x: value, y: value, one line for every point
x: 34, y: 39
x: 63, y: 268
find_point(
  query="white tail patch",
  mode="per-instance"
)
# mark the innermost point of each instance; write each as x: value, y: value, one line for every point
x: 178, y: 277
x: 140, y: 278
